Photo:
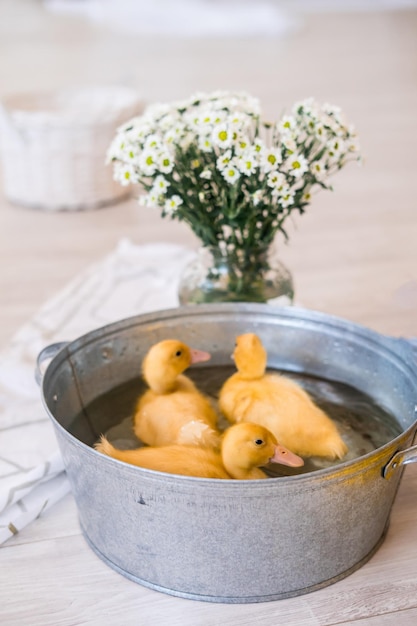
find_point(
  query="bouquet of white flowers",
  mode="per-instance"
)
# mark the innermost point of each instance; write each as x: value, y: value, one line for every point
x: 212, y: 162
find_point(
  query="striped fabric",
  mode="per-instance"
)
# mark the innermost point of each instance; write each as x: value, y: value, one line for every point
x: 131, y: 280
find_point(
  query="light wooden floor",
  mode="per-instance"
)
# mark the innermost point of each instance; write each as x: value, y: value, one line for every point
x: 353, y: 254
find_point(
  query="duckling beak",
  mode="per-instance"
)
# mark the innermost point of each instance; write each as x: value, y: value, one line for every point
x: 198, y: 356
x: 286, y: 457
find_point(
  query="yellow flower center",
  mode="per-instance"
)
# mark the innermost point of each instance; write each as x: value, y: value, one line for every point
x: 223, y: 135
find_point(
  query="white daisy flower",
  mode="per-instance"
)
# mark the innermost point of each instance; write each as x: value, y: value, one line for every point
x: 124, y: 173
x: 297, y: 165
x: 318, y: 169
x: 151, y: 199
x: 287, y: 199
x: 336, y: 146
x: 194, y: 121
x: 219, y: 117
x: 276, y: 180
x: 287, y: 125
x: 165, y: 163
x: 172, y: 204
x: 271, y: 158
x: 160, y: 185
x: 224, y: 160
x: 148, y: 162
x: 238, y: 122
x: 242, y: 144
x: 207, y: 118
x: 246, y: 164
x: 319, y: 130
x: 175, y: 133
x: 222, y: 136
x: 258, y: 146
x: 231, y: 174
x: 205, y: 144
x: 154, y: 199
x: 152, y: 142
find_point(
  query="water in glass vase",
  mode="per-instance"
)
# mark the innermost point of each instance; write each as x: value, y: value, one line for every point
x: 236, y: 276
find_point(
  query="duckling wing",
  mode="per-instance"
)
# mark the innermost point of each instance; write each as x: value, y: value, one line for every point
x: 162, y: 419
x: 241, y: 399
x: 304, y: 427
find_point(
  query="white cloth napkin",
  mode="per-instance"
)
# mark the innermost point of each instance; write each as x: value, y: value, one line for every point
x: 131, y: 280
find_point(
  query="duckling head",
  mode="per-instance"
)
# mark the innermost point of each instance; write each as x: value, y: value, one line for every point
x: 166, y: 360
x: 250, y: 356
x: 248, y: 446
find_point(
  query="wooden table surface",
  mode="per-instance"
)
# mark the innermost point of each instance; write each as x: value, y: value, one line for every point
x: 353, y: 254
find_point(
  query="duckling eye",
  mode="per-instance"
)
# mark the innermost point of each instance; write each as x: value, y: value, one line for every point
x: 259, y: 442
x: 178, y: 353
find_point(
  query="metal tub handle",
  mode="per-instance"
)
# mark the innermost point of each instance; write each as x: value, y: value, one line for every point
x: 409, y: 455
x: 403, y: 457
x: 48, y: 353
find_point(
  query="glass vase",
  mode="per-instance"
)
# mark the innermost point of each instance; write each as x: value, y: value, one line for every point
x: 243, y: 275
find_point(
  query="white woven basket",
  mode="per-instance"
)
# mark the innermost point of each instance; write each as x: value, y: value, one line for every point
x: 54, y: 145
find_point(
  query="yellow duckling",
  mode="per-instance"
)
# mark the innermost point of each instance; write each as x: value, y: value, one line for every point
x: 278, y: 403
x: 173, y: 411
x: 244, y: 448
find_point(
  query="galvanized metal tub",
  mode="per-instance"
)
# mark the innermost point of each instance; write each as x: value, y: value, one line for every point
x: 234, y: 541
